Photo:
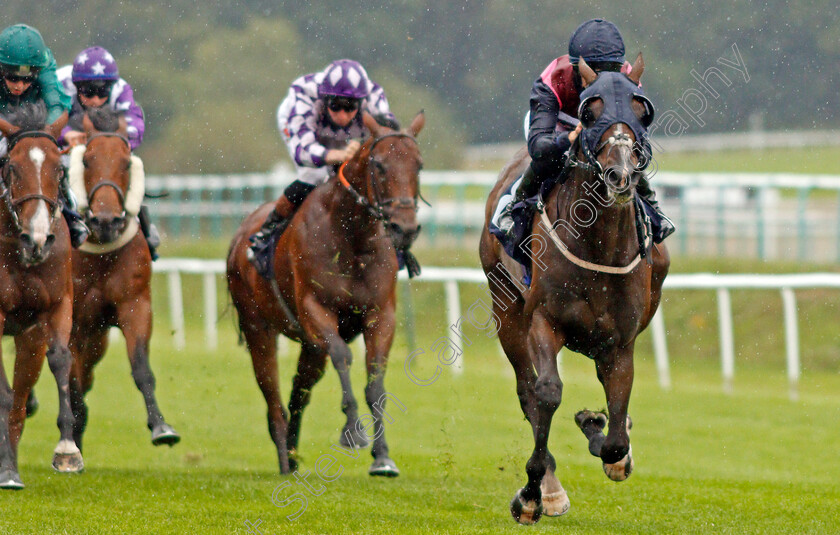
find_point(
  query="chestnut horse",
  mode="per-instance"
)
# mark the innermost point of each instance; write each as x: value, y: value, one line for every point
x: 594, y: 299
x: 112, y: 271
x: 335, y: 276
x: 36, y: 285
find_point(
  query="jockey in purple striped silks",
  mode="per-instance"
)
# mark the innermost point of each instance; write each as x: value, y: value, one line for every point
x: 93, y: 81
x: 320, y: 121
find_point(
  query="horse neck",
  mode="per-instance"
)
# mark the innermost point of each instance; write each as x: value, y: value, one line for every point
x: 353, y: 221
x: 610, y: 238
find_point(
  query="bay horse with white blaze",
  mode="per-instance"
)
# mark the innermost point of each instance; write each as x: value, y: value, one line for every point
x: 36, y: 287
x: 112, y: 271
x: 594, y: 299
x: 334, y: 277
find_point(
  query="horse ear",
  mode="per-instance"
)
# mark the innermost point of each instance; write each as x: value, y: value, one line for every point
x: 417, y: 123
x: 55, y: 128
x: 587, y: 75
x: 637, y: 70
x: 7, y: 128
x: 371, y: 124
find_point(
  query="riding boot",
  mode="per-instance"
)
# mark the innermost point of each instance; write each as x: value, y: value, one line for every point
x: 276, y: 222
x: 528, y: 187
x: 665, y: 226
x: 150, y: 231
x: 79, y: 232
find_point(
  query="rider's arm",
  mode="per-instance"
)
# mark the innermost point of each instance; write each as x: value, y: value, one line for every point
x: 297, y: 118
x: 377, y: 105
x: 56, y: 100
x: 548, y: 139
x: 123, y: 98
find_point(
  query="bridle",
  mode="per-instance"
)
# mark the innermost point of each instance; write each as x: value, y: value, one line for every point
x: 377, y: 207
x: 6, y: 193
x: 108, y: 183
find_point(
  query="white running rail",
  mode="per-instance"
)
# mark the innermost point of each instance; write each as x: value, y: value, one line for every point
x: 174, y: 268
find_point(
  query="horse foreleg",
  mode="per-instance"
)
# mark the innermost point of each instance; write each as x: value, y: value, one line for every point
x: 321, y: 328
x: 87, y: 351
x: 379, y: 335
x: 262, y: 344
x: 543, y: 344
x: 9, y: 476
x: 616, y: 374
x: 134, y: 318
x: 311, y: 366
x: 555, y: 501
x: 67, y: 456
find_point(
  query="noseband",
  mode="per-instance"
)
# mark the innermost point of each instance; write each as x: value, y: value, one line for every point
x: 377, y: 208
x: 6, y: 192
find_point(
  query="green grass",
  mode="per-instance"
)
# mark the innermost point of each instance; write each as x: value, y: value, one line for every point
x: 751, y: 462
x: 706, y: 461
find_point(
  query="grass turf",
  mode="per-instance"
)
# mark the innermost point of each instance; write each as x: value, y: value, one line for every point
x: 706, y: 461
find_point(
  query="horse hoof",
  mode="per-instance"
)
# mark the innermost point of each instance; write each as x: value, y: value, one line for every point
x: 622, y: 469
x: 352, y: 440
x: 556, y: 503
x: 10, y: 480
x: 586, y: 417
x: 384, y: 467
x: 165, y: 434
x: 68, y: 463
x: 525, y: 512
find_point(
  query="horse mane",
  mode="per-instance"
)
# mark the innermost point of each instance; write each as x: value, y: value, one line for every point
x: 29, y: 116
x: 105, y: 119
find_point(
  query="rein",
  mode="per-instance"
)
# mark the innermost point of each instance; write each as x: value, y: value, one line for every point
x: 377, y: 208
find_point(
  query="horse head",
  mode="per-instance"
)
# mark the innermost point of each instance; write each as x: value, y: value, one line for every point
x: 615, y: 115
x: 30, y: 181
x: 390, y: 165
x: 107, y: 166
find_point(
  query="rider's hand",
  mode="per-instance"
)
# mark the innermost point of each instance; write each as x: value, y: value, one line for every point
x: 74, y: 138
x: 574, y: 133
x: 338, y: 156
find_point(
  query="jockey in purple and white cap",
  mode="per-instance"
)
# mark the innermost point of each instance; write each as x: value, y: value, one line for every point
x: 308, y: 128
x: 321, y: 124
x: 93, y: 80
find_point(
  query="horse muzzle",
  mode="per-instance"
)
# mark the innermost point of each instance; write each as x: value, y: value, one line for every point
x: 403, y: 234
x: 620, y: 182
x: 34, y: 250
x: 106, y: 228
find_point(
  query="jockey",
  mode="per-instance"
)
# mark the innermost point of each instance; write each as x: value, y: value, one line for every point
x: 93, y: 81
x: 29, y: 76
x: 555, y: 97
x: 320, y: 121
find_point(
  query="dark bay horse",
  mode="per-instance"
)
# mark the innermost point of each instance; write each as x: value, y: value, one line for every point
x: 594, y: 299
x: 36, y: 286
x: 111, y: 271
x: 335, y: 275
